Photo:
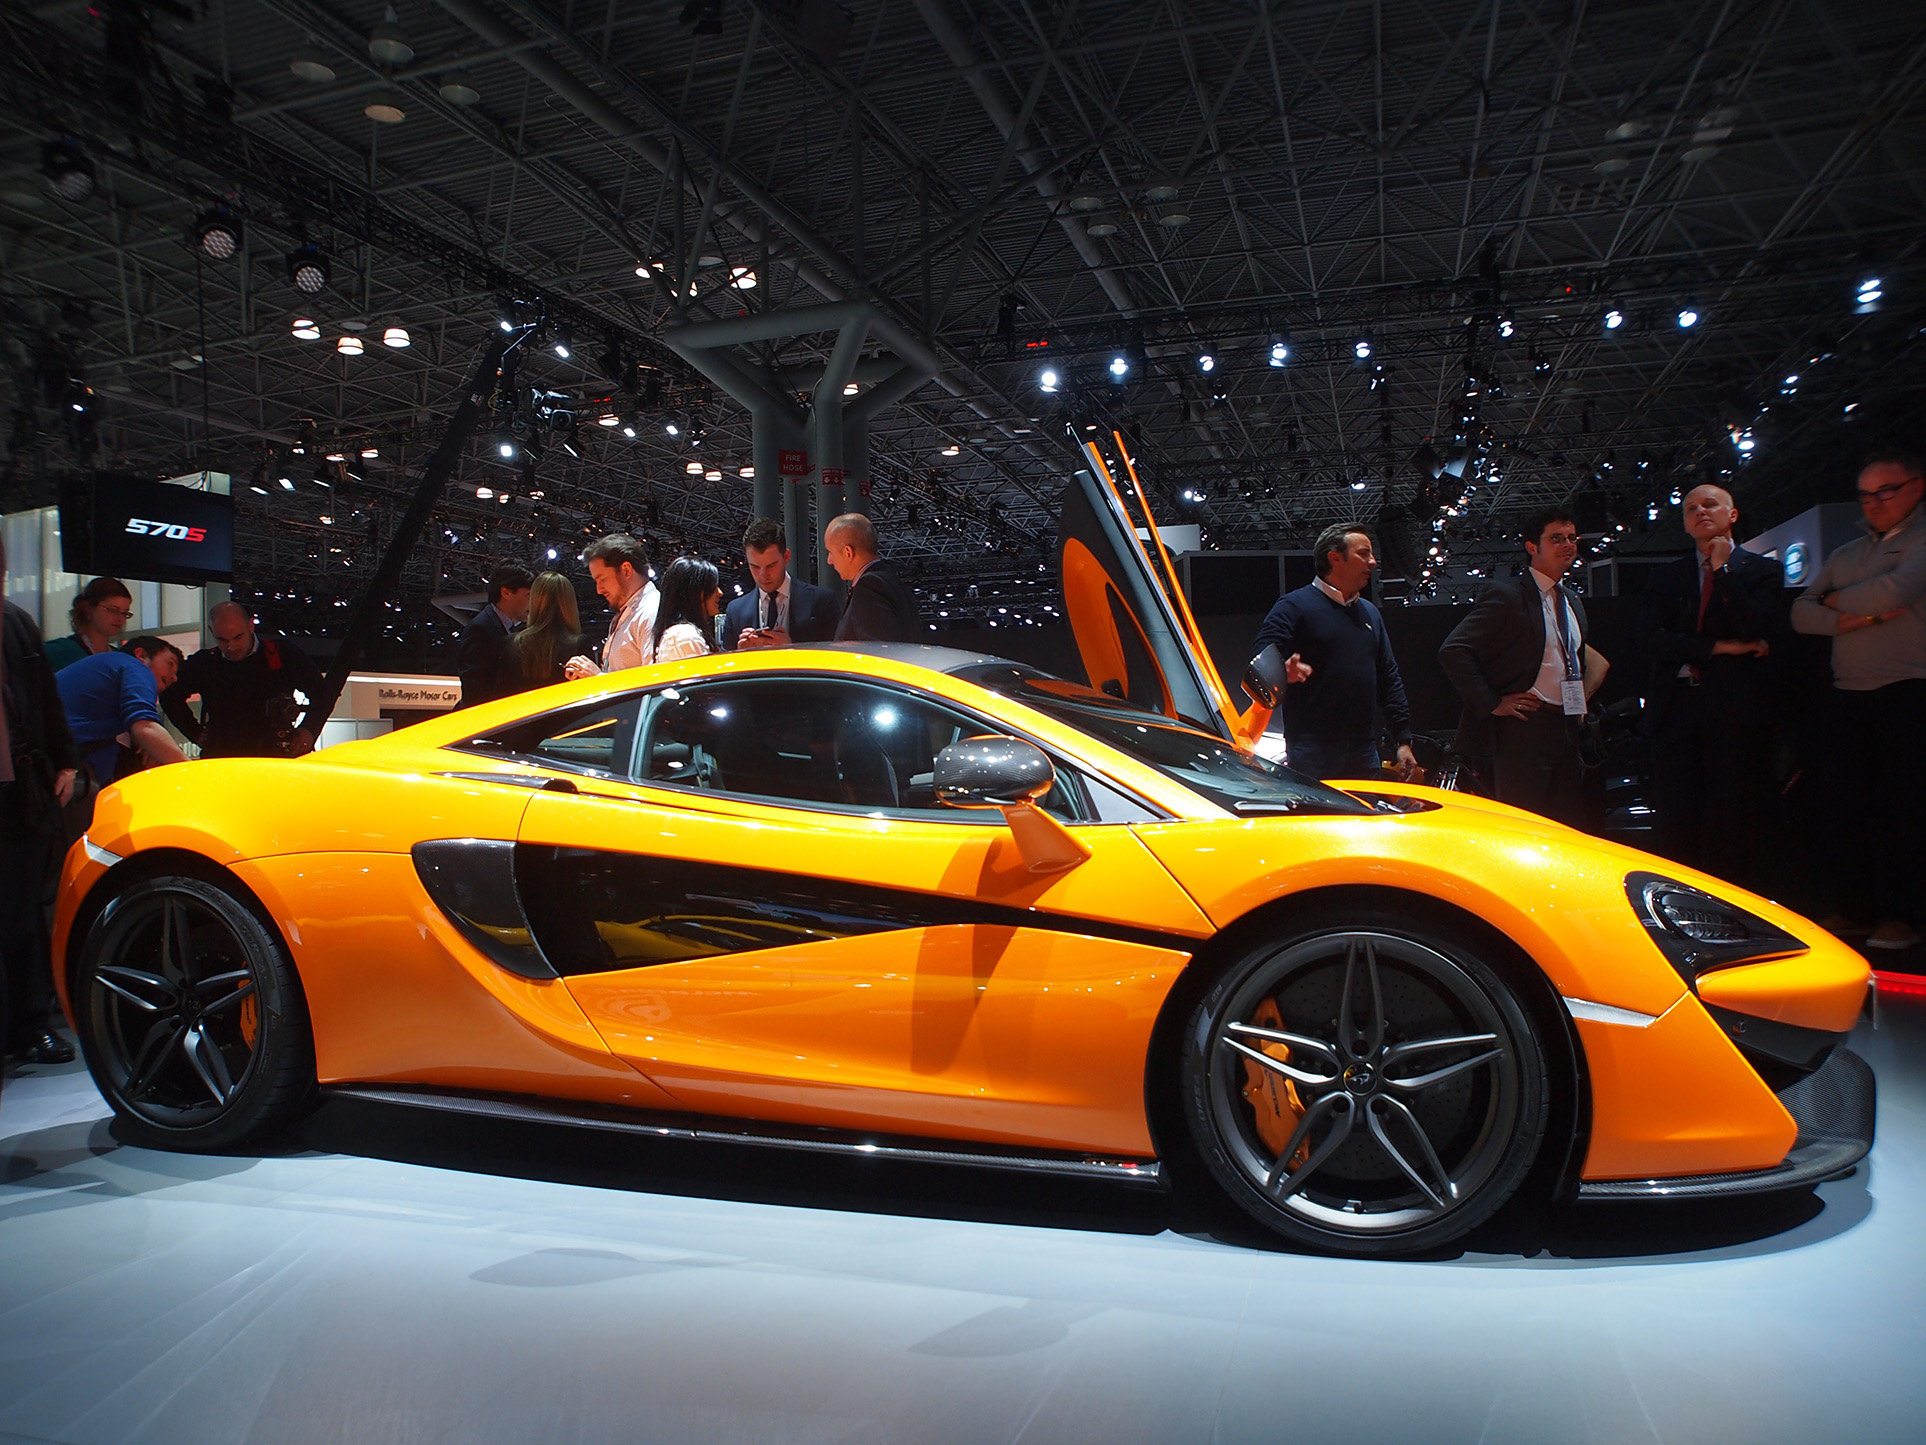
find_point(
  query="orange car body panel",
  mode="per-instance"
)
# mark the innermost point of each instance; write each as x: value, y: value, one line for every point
x: 994, y: 1031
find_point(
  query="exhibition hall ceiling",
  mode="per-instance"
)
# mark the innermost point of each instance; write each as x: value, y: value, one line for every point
x: 1075, y: 203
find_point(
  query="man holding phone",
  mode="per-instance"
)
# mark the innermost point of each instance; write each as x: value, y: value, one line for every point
x: 781, y: 609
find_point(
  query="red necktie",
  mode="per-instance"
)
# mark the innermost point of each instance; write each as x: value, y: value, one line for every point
x: 1705, y: 591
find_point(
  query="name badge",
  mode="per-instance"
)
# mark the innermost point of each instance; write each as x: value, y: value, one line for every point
x: 1571, y: 692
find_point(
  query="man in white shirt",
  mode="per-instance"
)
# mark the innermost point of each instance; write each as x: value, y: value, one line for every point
x: 782, y: 608
x: 1521, y: 663
x: 619, y: 566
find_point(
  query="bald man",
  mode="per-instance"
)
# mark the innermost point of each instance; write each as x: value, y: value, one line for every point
x: 1712, y: 622
x: 246, y: 683
x: 880, y: 607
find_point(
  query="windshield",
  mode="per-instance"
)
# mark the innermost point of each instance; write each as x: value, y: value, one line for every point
x: 1237, y: 781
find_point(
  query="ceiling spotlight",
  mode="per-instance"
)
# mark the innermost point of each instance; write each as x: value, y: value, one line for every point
x: 1362, y: 348
x: 712, y: 475
x: 349, y: 345
x: 1688, y: 317
x: 952, y: 450
x: 1103, y: 225
x: 311, y: 64
x: 484, y: 494
x: 694, y: 469
x: 1280, y: 353
x: 1360, y: 484
x: 1119, y: 366
x: 672, y: 428
x: 749, y: 473
x: 564, y: 339
x: 1864, y: 302
x: 1207, y: 360
x: 1507, y: 328
x: 388, y: 44
x: 371, y: 451
x: 850, y: 388
x: 218, y: 234
x: 458, y: 88
x: 67, y: 169
x: 742, y: 278
x: 1048, y: 379
x: 287, y: 484
x: 308, y: 269
x: 385, y: 107
x: 505, y: 449
x: 395, y: 335
x: 628, y: 430
x: 607, y: 418
x: 1744, y: 441
x: 306, y: 328
x: 1614, y: 318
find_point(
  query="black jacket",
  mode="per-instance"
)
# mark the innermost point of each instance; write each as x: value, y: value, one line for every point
x: 243, y: 704
x: 36, y: 722
x: 880, y: 609
x: 481, y: 661
x: 813, y: 614
x: 1748, y: 603
x: 1497, y: 649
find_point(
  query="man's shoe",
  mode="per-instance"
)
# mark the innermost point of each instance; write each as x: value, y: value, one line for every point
x: 1893, y: 934
x: 48, y: 1048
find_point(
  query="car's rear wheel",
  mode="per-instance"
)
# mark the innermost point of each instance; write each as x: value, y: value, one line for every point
x: 1365, y: 1087
x: 191, y: 1016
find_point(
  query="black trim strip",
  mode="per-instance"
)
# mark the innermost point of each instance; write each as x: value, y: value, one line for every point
x: 903, y: 1149
x: 594, y: 911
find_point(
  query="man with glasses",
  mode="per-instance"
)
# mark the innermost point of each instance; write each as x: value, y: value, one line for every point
x: 1522, y: 665
x: 1870, y: 599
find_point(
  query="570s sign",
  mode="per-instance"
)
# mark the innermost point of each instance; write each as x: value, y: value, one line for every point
x: 173, y: 531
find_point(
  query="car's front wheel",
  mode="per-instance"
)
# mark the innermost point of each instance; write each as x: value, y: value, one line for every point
x: 1365, y: 1087
x: 191, y: 1016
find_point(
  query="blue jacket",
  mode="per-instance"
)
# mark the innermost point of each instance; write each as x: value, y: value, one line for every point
x: 104, y: 695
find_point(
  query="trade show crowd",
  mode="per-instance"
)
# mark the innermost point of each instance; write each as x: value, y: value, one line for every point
x: 84, y: 709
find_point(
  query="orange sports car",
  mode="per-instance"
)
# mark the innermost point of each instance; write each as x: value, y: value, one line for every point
x: 929, y: 903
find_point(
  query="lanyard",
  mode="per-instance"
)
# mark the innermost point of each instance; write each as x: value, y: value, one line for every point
x: 1561, y: 614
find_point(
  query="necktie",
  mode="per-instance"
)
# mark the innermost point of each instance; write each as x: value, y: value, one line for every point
x: 1705, y: 590
x: 769, y: 602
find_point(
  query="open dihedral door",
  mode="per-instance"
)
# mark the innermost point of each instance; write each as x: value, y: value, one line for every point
x: 1132, y: 623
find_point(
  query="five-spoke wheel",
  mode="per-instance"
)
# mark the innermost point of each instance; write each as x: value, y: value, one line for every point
x: 191, y: 1017
x: 1367, y: 1088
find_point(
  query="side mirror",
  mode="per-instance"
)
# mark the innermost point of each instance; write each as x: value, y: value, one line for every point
x: 992, y: 772
x: 1008, y: 773
x: 1264, y: 677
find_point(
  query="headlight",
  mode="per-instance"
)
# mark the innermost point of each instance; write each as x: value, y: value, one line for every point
x: 1697, y: 932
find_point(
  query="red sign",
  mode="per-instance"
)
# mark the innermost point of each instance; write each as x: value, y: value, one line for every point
x: 833, y: 476
x: 862, y: 487
x: 792, y: 464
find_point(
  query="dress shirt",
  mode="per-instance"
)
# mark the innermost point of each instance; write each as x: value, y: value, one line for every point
x: 1331, y: 592
x: 628, y: 644
x: 780, y: 622
x: 683, y: 639
x: 1552, y: 670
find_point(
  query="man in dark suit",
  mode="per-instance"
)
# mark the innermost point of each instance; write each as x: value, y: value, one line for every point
x: 782, y: 609
x: 1521, y: 663
x: 482, y: 659
x: 880, y: 608
x: 1710, y: 625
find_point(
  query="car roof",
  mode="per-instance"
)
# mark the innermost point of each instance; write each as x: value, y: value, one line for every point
x: 915, y: 654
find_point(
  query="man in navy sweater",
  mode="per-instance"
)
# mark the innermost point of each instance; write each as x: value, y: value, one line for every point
x: 1339, y: 671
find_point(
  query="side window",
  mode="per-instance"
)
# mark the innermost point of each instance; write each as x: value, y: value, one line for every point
x: 596, y: 739
x: 815, y: 742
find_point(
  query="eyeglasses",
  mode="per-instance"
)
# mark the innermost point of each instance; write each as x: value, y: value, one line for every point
x: 1886, y: 494
x: 1561, y: 539
x: 123, y: 613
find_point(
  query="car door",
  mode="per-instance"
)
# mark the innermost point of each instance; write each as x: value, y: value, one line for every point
x: 759, y: 903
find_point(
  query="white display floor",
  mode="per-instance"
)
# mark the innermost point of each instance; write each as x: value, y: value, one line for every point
x: 398, y: 1278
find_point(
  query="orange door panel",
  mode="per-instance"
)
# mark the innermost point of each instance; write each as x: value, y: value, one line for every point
x: 781, y: 963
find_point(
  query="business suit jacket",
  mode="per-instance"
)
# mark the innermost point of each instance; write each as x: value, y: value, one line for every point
x: 813, y: 614
x: 481, y: 661
x: 1748, y: 602
x: 880, y: 608
x: 1497, y: 649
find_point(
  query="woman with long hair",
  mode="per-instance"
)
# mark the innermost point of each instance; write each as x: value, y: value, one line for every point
x: 685, y: 618
x: 100, y: 613
x: 538, y: 650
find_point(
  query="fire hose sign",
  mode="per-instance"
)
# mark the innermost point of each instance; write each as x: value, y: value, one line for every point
x: 792, y: 464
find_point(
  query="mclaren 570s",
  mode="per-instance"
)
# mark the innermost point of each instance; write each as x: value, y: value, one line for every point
x: 923, y: 902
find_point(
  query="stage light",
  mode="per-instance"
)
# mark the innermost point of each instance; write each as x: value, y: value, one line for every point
x: 395, y: 335
x: 1614, y: 318
x: 952, y: 451
x: 1280, y: 353
x: 694, y: 469
x: 564, y: 340
x: 850, y: 388
x: 1360, y: 484
x: 1507, y: 328
x: 308, y: 269
x: 1688, y: 317
x: 1207, y: 361
x: 712, y: 475
x: 218, y: 234
x: 608, y: 418
x: 1790, y: 385
x: 1362, y: 348
x: 1048, y: 379
x: 306, y: 328
x: 484, y: 494
x: 371, y: 451
x: 1119, y: 366
x: 349, y: 345
x: 505, y: 449
x: 287, y: 484
x: 1867, y: 299
x: 747, y: 473
x: 628, y: 430
x: 67, y: 169
x: 742, y: 278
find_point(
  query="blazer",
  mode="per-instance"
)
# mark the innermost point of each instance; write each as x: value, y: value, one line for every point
x: 1748, y: 602
x: 880, y: 609
x: 481, y: 660
x: 1496, y: 650
x: 813, y: 614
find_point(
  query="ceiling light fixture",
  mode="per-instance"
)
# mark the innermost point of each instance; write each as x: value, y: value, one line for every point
x: 387, y: 43
x: 67, y: 169
x: 458, y: 88
x: 311, y: 63
x: 308, y: 269
x: 306, y: 328
x: 349, y: 345
x: 218, y: 234
x: 395, y: 335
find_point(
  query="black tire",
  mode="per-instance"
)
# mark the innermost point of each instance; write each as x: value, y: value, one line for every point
x: 191, y: 1017
x: 1334, y: 1040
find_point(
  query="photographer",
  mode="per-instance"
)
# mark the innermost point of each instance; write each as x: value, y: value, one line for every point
x: 246, y: 683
